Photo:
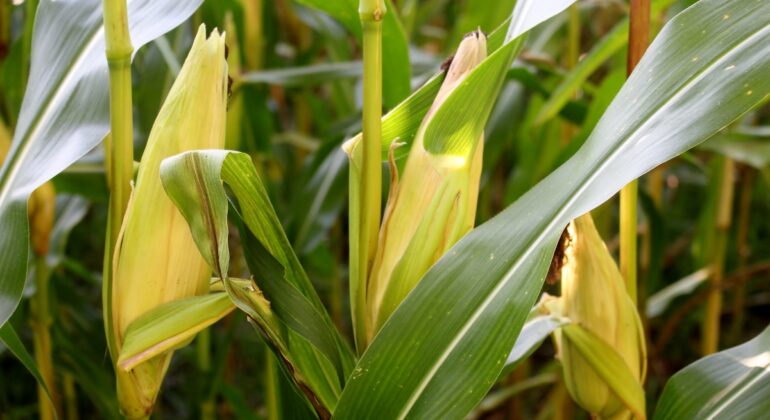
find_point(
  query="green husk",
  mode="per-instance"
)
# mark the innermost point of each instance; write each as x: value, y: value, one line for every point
x: 594, y: 299
x: 431, y: 206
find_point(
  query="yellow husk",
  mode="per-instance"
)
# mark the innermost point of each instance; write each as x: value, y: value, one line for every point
x: 430, y: 208
x: 156, y: 260
x: 594, y: 296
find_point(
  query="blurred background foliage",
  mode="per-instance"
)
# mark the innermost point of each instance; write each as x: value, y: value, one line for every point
x: 296, y: 96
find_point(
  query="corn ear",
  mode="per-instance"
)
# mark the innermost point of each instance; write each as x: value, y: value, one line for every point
x: 430, y: 207
x: 594, y: 298
x: 156, y: 260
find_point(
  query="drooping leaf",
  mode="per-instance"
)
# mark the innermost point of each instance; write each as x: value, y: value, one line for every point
x: 65, y: 111
x: 734, y: 384
x: 446, y: 344
x: 290, y: 314
x: 170, y: 326
x: 11, y: 341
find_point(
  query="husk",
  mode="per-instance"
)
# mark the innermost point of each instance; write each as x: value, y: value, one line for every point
x: 156, y: 260
x: 594, y: 296
x: 430, y: 207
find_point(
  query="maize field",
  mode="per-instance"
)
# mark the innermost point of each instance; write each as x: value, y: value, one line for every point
x: 384, y: 209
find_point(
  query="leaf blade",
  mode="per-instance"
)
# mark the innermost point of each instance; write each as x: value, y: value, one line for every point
x: 735, y: 381
x: 64, y: 112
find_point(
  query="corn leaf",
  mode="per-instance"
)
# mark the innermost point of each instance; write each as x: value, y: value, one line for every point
x: 734, y: 383
x: 662, y: 299
x: 396, y: 72
x: 753, y: 149
x: 170, y: 326
x: 303, y: 334
x: 609, y: 365
x: 610, y: 44
x: 446, y: 344
x: 307, y: 75
x: 11, y: 340
x: 65, y: 111
x: 532, y: 335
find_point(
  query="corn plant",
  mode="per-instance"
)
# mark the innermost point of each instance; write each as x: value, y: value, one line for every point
x: 290, y: 152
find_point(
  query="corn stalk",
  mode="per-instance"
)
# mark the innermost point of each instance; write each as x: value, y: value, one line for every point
x: 362, y: 249
x: 120, y: 143
x: 638, y: 38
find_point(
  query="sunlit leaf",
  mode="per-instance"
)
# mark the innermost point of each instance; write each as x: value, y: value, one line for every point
x: 734, y: 384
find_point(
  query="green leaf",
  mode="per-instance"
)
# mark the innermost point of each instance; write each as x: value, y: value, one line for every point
x: 321, y: 198
x: 307, y: 75
x: 10, y: 339
x: 396, y: 72
x: 446, y: 344
x: 292, y: 317
x: 170, y: 326
x: 610, y: 44
x: 502, y: 395
x: 660, y: 300
x: 733, y: 383
x: 609, y: 365
x: 449, y: 134
x: 753, y: 150
x: 532, y: 335
x: 64, y: 113
x: 484, y: 14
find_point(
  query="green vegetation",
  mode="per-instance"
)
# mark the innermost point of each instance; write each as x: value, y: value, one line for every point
x: 383, y: 210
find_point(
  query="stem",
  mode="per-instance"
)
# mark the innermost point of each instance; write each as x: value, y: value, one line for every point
x: 203, y: 344
x: 742, y: 247
x: 271, y: 387
x: 254, y: 42
x: 638, y: 38
x: 710, y: 342
x: 120, y: 144
x: 628, y: 236
x: 561, y: 401
x: 335, y: 290
x: 371, y: 13
x: 70, y: 396
x: 41, y: 325
x: 5, y: 29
